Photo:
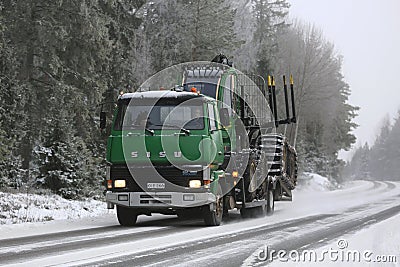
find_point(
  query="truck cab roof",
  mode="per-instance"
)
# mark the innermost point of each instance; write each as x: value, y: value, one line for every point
x: 165, y: 95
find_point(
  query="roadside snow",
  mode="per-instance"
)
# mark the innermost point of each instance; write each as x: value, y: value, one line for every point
x: 377, y: 245
x: 315, y: 182
x: 352, y: 194
x: 22, y: 208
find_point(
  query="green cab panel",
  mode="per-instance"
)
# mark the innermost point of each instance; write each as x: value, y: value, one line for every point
x: 172, y: 147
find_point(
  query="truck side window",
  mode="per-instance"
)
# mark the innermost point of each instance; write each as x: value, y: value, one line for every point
x: 228, y: 94
x: 233, y: 88
x: 120, y: 117
x: 211, y: 117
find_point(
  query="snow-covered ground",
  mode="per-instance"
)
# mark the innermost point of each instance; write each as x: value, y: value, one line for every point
x: 376, y: 245
x: 28, y: 208
x: 314, y: 196
x: 315, y: 182
x: 24, y: 208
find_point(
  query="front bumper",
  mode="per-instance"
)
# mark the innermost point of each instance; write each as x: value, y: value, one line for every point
x: 159, y: 199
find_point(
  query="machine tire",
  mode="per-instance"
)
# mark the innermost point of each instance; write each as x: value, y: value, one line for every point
x: 270, y: 202
x: 225, y: 214
x: 248, y: 174
x: 214, y: 217
x: 126, y: 216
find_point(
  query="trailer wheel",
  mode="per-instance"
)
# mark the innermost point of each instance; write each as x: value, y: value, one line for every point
x: 270, y: 202
x: 214, y: 217
x: 126, y: 216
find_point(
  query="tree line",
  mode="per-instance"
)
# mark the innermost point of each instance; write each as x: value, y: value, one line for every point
x: 61, y: 59
x: 381, y: 160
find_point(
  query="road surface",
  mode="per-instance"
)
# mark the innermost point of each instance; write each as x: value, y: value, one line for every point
x: 312, y: 220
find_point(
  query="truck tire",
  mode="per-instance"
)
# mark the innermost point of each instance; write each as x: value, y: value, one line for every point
x: 247, y: 178
x: 126, y: 216
x: 270, y: 202
x: 214, y: 217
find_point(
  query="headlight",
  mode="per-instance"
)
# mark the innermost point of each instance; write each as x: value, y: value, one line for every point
x: 194, y: 183
x: 119, y: 183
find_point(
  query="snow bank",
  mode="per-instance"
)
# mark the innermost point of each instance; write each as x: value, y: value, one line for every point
x: 315, y: 182
x: 21, y: 208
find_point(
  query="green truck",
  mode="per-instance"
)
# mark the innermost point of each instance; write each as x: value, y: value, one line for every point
x: 200, y: 148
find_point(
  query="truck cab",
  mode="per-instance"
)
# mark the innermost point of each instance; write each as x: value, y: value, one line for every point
x: 164, y: 152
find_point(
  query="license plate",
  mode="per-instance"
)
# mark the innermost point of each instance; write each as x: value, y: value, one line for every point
x: 155, y: 185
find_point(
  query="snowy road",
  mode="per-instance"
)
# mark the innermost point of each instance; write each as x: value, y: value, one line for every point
x: 312, y: 220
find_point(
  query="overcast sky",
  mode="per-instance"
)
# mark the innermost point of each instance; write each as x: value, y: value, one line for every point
x: 367, y: 34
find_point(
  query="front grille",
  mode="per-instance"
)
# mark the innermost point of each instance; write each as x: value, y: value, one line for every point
x: 172, y: 174
x: 178, y: 176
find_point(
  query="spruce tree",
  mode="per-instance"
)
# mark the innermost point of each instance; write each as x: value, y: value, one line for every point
x: 270, y: 22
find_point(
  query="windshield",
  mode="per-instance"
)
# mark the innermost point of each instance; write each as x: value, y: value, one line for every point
x: 205, y: 88
x: 140, y: 115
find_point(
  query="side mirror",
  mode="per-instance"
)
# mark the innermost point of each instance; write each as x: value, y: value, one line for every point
x: 224, y: 116
x: 103, y: 120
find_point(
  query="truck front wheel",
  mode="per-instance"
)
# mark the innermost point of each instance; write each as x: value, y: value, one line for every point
x: 126, y: 216
x: 213, y: 217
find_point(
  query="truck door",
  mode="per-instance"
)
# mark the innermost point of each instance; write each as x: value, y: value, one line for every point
x: 215, y: 134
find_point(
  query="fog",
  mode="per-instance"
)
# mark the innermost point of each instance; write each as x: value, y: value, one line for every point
x: 366, y: 33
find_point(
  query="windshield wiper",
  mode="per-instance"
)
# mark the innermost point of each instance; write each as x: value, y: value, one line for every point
x: 147, y: 129
x: 186, y: 131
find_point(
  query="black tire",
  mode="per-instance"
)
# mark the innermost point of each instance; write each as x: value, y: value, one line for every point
x: 225, y: 214
x: 126, y: 216
x: 270, y: 202
x: 248, y: 174
x: 214, y: 217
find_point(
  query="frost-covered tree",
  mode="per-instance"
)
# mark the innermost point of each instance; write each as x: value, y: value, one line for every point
x: 270, y: 21
x: 66, y: 168
x: 379, y: 156
x: 321, y: 95
x: 381, y: 161
x: 60, y: 60
x: 364, y: 172
x: 181, y: 30
x: 393, y: 150
x: 57, y: 60
x: 12, y: 115
x: 359, y: 166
